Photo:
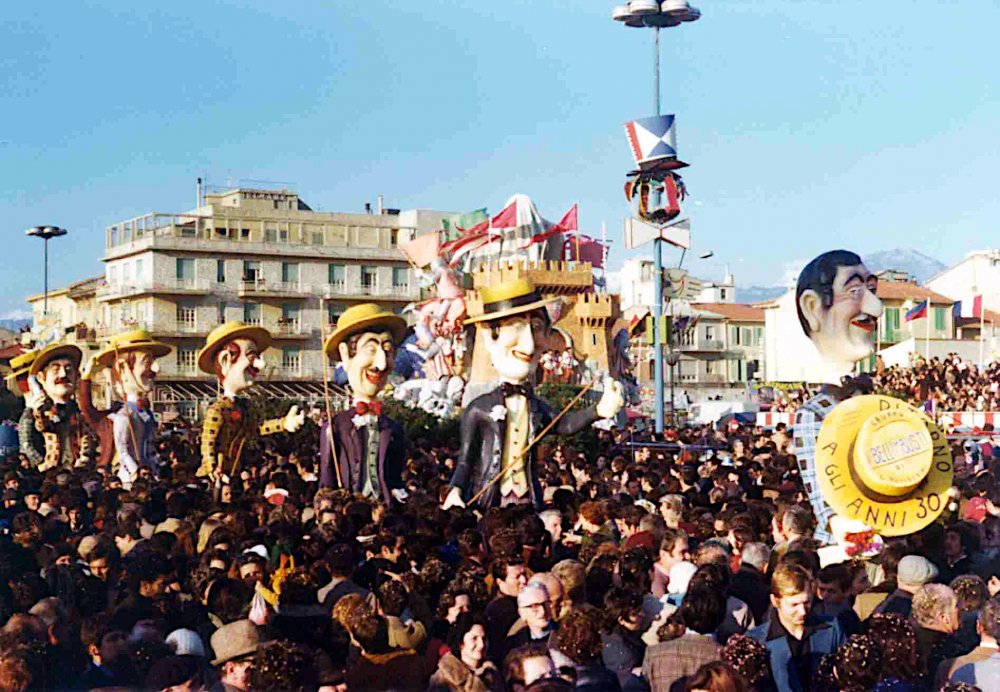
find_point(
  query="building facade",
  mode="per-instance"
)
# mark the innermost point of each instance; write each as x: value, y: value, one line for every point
x: 257, y: 256
x: 977, y: 274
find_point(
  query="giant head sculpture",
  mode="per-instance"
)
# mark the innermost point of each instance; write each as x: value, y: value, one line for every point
x: 838, y: 307
x: 233, y: 352
x: 365, y: 341
x: 132, y: 358
x: 56, y: 369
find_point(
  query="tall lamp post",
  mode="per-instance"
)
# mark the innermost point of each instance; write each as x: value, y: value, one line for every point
x: 656, y: 15
x: 46, y: 232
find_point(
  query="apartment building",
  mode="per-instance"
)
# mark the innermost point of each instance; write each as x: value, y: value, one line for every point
x: 258, y: 256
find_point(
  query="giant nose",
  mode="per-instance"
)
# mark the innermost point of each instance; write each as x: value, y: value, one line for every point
x: 258, y: 362
x: 871, y: 304
x: 155, y: 368
x: 526, y: 340
x: 381, y: 361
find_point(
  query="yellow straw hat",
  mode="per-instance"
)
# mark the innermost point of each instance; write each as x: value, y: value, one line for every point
x: 133, y: 340
x: 21, y: 365
x: 882, y: 462
x: 228, y: 332
x: 365, y: 317
x: 509, y: 298
x: 53, y: 351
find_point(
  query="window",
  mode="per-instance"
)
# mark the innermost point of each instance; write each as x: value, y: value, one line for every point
x: 734, y: 335
x: 317, y: 237
x: 220, y: 313
x: 185, y: 316
x: 335, y: 274
x: 369, y: 277
x: 185, y: 270
x: 758, y: 336
x: 270, y: 235
x: 290, y: 273
x: 113, y: 276
x: 939, y: 319
x: 333, y: 312
x: 251, y: 313
x: 709, y: 333
x: 891, y: 322
x: 251, y: 270
x: 722, y: 295
x: 290, y: 317
x: 394, y: 237
x: 291, y: 360
x: 220, y: 271
x: 400, y: 277
x: 244, y: 234
x: 283, y: 236
x: 138, y: 272
x: 188, y: 231
x: 187, y: 359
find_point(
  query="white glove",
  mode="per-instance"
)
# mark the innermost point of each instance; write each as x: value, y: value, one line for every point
x: 612, y: 400
x: 454, y: 499
x: 294, y: 419
x: 35, y: 398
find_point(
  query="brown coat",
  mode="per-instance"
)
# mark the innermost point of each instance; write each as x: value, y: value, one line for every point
x: 454, y: 676
x: 101, y: 426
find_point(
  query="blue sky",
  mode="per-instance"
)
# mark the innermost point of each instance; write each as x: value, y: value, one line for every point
x: 808, y: 124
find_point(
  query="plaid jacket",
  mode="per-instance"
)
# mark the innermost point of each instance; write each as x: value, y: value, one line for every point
x: 668, y: 662
x: 229, y: 423
x: 808, y: 421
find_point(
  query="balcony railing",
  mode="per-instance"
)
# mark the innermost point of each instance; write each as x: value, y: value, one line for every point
x: 182, y: 286
x: 263, y: 287
x: 291, y: 328
x: 345, y: 290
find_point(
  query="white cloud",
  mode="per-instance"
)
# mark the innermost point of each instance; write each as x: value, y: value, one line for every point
x: 790, y: 272
x: 16, y: 315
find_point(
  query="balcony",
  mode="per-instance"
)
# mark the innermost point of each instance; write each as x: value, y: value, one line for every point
x: 344, y: 290
x: 290, y: 329
x: 261, y: 288
x: 713, y: 378
x: 709, y: 345
x: 176, y: 287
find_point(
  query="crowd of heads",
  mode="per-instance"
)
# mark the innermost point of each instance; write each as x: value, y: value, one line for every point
x: 649, y: 551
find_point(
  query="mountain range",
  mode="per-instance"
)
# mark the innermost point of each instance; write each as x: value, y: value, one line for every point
x: 915, y: 263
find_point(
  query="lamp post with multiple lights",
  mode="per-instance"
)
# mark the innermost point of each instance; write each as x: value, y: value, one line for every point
x: 46, y: 232
x: 657, y: 15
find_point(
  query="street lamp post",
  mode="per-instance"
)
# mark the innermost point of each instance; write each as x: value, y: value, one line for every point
x: 673, y: 358
x: 46, y: 232
x: 656, y: 15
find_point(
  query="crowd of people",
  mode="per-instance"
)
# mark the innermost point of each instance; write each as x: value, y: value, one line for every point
x: 681, y: 562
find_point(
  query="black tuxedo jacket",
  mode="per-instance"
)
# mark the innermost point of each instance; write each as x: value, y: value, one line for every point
x: 482, y: 445
x: 351, y: 444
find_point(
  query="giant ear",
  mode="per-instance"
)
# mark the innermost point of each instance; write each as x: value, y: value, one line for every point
x: 811, y: 307
x: 344, y: 350
x: 224, y: 359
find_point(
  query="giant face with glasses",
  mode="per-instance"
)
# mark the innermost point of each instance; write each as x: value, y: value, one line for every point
x: 837, y: 306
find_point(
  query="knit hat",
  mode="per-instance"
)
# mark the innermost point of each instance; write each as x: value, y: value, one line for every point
x: 186, y: 643
x: 916, y: 570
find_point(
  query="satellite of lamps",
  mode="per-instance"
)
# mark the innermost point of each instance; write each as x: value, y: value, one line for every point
x: 653, y: 13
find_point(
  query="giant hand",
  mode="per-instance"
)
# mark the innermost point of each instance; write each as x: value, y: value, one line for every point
x: 612, y: 400
x: 294, y: 419
x: 35, y: 398
x: 454, y: 499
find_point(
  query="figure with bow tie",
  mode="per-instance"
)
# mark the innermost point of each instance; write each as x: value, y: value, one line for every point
x: 233, y: 352
x: 131, y: 357
x: 370, y: 447
x: 498, y: 427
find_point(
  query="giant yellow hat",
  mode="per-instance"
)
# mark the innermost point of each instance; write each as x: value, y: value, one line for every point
x: 19, y: 365
x: 365, y: 317
x: 225, y: 333
x: 882, y: 462
x: 53, y: 351
x: 133, y: 340
x: 509, y: 298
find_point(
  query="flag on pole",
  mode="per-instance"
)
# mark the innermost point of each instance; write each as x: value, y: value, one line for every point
x: 971, y: 308
x: 506, y: 218
x: 568, y: 223
x: 423, y: 249
x: 917, y: 311
x: 585, y: 249
x: 453, y: 225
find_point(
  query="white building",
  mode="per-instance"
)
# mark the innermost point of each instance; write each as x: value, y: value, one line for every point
x: 638, y: 279
x: 978, y: 273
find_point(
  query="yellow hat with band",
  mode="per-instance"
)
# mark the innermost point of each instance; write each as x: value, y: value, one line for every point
x: 19, y: 365
x: 127, y: 342
x: 509, y: 298
x: 53, y: 352
x: 884, y: 463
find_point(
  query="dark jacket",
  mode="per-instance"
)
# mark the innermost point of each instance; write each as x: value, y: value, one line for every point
x: 479, y: 459
x: 822, y: 636
x: 754, y: 589
x: 351, y: 443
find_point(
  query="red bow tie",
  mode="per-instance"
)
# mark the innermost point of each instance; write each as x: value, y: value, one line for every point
x: 363, y: 408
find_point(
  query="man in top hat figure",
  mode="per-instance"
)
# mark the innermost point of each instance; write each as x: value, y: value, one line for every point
x: 50, y: 406
x: 233, y: 353
x: 370, y: 447
x: 132, y: 358
x: 498, y: 426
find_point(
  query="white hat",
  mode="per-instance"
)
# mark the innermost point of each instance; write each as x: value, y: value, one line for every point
x: 186, y: 643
